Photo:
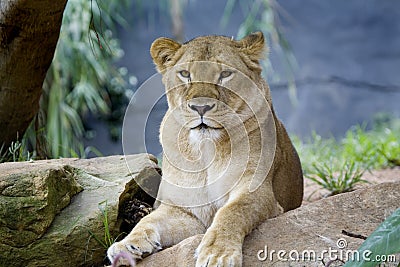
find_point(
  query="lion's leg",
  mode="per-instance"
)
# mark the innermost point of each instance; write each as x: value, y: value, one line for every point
x: 166, y: 226
x: 222, y: 243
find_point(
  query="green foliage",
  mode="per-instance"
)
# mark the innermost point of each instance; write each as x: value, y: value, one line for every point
x: 336, y: 165
x: 13, y: 149
x: 16, y: 152
x: 315, y: 150
x: 107, y: 240
x: 384, y: 241
x: 82, y: 77
x: 337, y: 182
x: 262, y: 15
x: 377, y: 147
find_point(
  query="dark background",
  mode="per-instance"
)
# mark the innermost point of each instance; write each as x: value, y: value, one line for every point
x: 348, y: 56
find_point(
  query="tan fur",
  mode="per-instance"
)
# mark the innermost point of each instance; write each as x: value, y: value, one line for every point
x: 246, y: 141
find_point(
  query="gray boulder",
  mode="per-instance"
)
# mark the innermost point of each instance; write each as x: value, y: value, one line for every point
x: 29, y: 201
x: 54, y: 212
x: 313, y: 228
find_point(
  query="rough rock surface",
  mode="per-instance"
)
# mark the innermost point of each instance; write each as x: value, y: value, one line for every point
x: 29, y: 201
x: 52, y: 210
x: 317, y: 226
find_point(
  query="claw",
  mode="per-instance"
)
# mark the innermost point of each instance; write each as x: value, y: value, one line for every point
x: 135, y: 251
x: 158, y: 246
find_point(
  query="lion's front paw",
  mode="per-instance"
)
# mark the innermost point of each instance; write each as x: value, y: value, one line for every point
x: 218, y: 251
x: 138, y: 245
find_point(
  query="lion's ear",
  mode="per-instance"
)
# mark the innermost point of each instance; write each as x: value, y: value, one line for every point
x: 253, y: 45
x: 162, y: 50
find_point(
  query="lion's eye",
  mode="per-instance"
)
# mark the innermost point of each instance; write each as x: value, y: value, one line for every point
x: 185, y: 74
x: 225, y: 74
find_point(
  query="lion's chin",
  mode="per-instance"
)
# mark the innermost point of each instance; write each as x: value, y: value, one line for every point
x: 204, y: 131
x: 197, y: 136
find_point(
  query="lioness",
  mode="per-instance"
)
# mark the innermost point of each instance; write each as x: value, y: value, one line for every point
x: 228, y: 162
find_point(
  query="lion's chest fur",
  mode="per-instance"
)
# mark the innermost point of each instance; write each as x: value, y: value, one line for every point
x: 217, y: 171
x: 209, y: 174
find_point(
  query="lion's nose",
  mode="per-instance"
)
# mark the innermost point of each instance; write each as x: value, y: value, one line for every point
x: 201, y: 109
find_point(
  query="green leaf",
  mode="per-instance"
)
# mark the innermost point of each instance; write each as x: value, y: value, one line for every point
x: 385, y: 240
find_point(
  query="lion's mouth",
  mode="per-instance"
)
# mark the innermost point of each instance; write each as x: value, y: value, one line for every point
x: 203, y: 126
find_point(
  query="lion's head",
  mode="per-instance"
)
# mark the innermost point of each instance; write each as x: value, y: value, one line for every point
x: 213, y: 83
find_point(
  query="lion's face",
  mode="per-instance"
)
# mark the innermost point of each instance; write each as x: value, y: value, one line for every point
x: 211, y: 81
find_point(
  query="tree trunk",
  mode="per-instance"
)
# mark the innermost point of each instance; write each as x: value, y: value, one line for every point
x: 29, y: 30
